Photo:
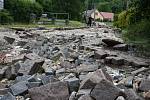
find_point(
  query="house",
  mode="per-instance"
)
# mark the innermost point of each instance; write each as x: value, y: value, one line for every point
x: 94, y: 13
x: 103, y: 16
x: 106, y: 16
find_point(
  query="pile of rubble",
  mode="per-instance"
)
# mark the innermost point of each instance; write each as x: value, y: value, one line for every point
x: 55, y: 66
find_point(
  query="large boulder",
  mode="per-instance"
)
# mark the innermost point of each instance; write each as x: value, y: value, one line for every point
x: 2, y: 72
x: 30, y: 67
x: 106, y: 90
x: 8, y: 96
x: 114, y: 60
x: 131, y: 95
x: 73, y: 84
x: 3, y: 89
x: 51, y: 91
x: 93, y: 78
x: 111, y: 42
x: 19, y: 88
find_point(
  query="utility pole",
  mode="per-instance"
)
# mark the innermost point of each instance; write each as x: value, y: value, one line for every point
x: 94, y: 10
x: 87, y: 4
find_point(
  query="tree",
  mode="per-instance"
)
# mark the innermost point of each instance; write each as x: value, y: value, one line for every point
x: 104, y: 7
x: 5, y: 17
x: 46, y: 4
x: 22, y: 9
x: 118, y: 6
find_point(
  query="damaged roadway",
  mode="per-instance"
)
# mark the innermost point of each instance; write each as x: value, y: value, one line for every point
x: 70, y: 64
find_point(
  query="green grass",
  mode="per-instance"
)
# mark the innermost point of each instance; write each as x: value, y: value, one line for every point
x: 109, y: 23
x: 71, y: 24
x: 142, y: 43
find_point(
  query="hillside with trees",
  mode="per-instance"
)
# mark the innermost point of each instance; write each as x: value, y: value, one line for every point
x: 130, y: 15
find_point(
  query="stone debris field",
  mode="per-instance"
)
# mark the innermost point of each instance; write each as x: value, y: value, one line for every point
x: 70, y: 64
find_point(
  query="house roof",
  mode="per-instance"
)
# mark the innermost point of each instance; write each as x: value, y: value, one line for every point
x: 107, y: 15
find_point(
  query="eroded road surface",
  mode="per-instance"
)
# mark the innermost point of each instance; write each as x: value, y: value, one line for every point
x: 70, y: 64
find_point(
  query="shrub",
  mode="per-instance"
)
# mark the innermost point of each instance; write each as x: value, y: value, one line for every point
x: 125, y: 18
x: 139, y: 34
x: 5, y: 17
x: 122, y: 19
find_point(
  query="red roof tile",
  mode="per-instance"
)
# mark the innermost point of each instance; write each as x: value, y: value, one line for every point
x: 107, y: 15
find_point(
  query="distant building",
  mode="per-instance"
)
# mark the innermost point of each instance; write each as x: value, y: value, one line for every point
x: 1, y: 4
x: 107, y: 16
x: 103, y: 16
x: 90, y: 13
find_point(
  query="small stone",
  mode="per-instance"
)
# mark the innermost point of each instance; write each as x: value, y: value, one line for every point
x: 82, y: 77
x: 18, y: 58
x: 139, y: 64
x: 73, y: 84
x: 48, y: 79
x: 147, y: 95
x: 83, y: 92
x: 22, y: 42
x: 22, y: 78
x: 117, y: 61
x: 87, y: 68
x: 85, y: 97
x: 120, y: 98
x: 33, y: 56
x: 144, y: 85
x: 33, y: 84
x: 100, y: 54
x: 8, y: 96
x: 11, y: 72
x: 4, y: 91
x: 19, y: 88
x: 56, y: 56
x: 106, y: 31
x: 129, y: 81
x: 49, y: 71
x: 131, y: 95
x: 10, y: 40
x: 23, y: 36
x: 73, y: 96
x: 60, y: 71
x: 20, y: 98
x: 2, y: 72
x: 114, y: 60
